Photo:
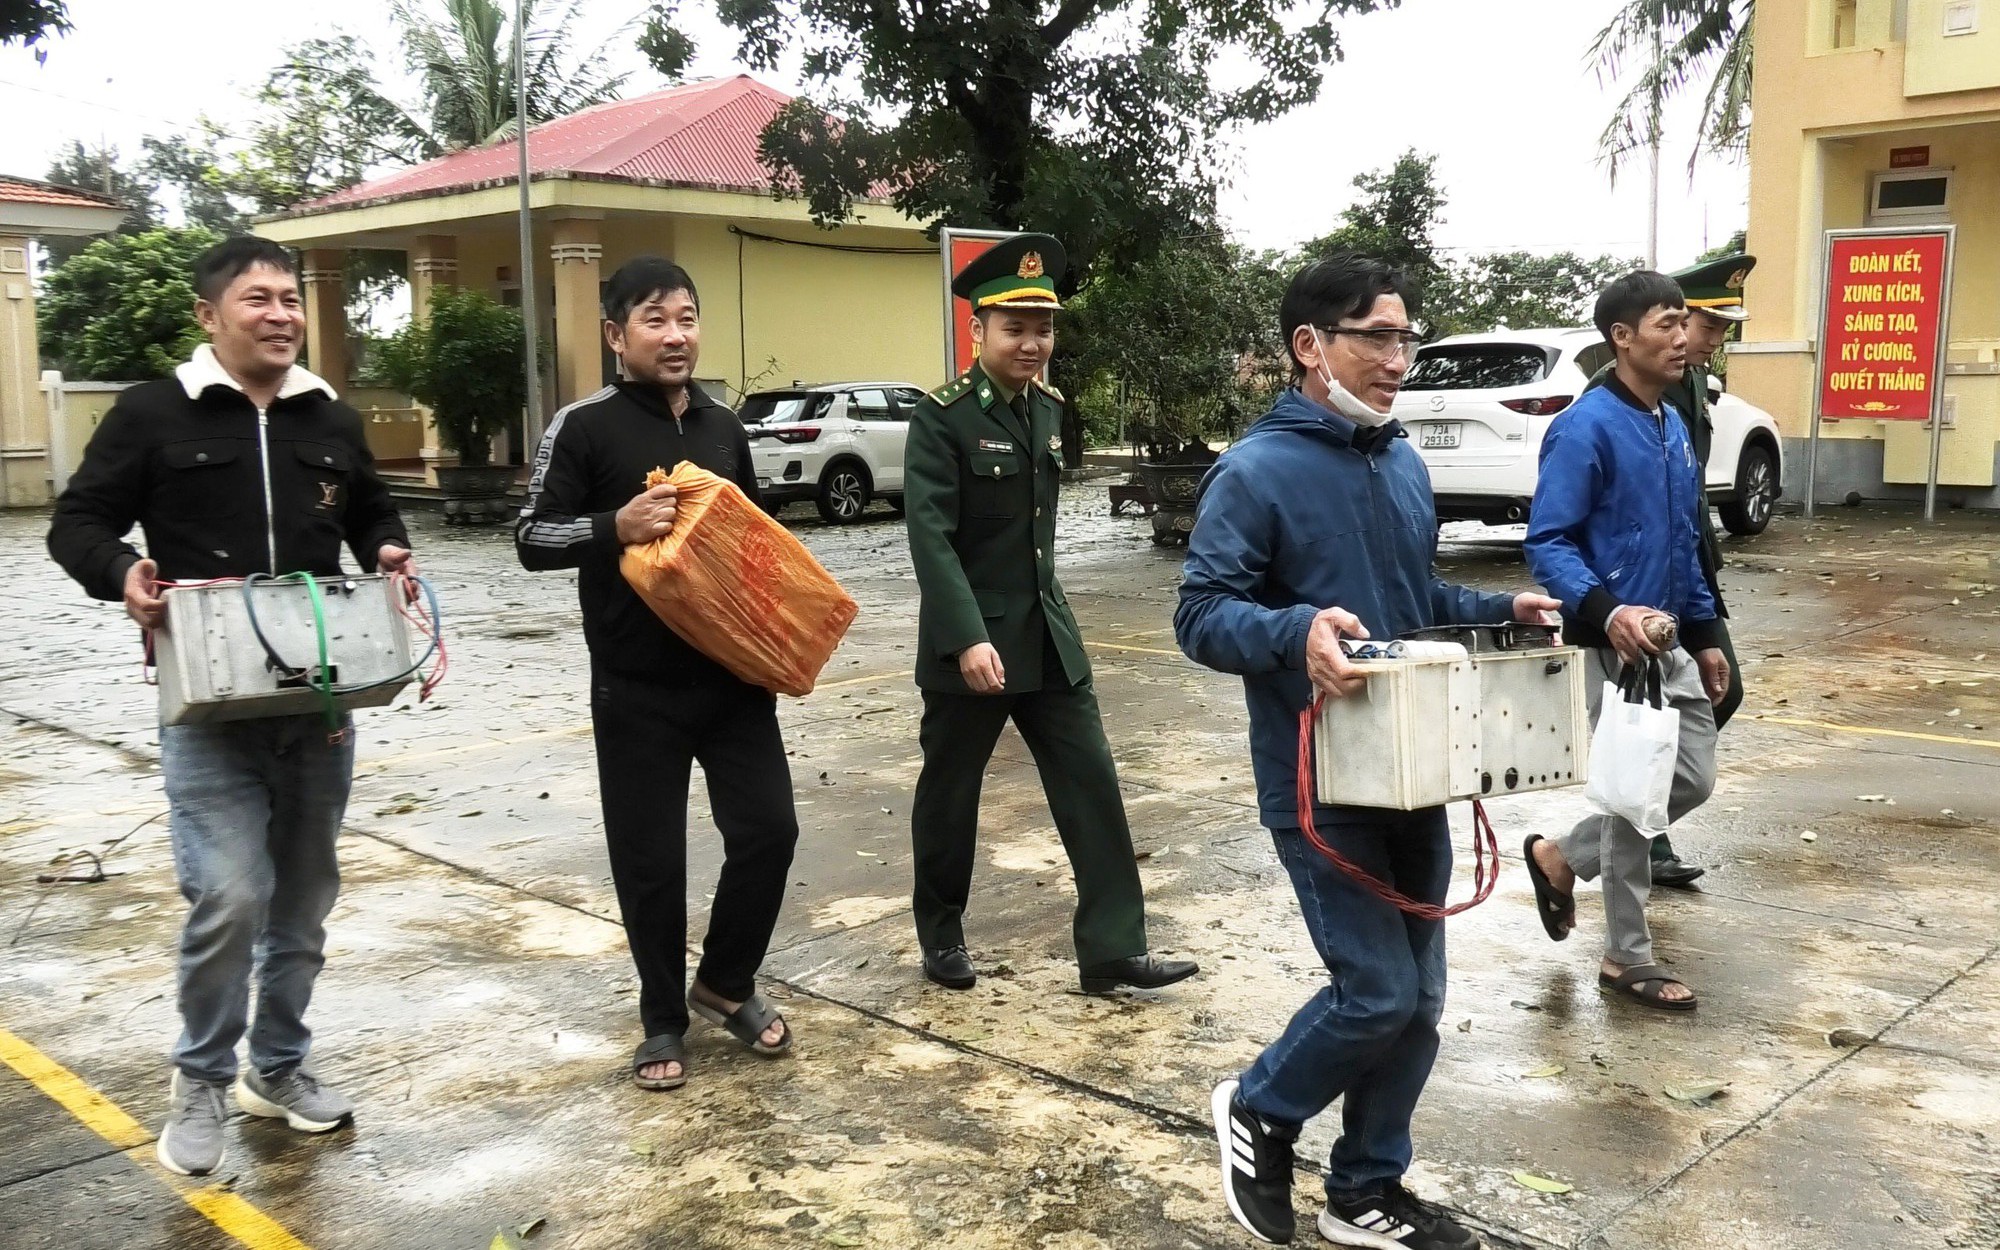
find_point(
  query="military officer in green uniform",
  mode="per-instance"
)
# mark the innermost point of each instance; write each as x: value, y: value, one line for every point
x: 995, y: 636
x: 1714, y: 293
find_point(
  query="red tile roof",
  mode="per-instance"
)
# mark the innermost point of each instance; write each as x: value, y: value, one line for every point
x: 700, y: 135
x: 23, y: 191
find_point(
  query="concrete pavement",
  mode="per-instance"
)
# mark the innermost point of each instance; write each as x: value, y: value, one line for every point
x: 479, y: 1005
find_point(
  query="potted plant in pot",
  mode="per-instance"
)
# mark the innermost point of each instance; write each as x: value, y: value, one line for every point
x: 467, y: 363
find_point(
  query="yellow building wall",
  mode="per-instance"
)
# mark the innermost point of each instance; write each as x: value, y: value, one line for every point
x: 1836, y: 89
x: 811, y: 314
x: 800, y: 312
x: 1938, y: 62
x: 24, y: 461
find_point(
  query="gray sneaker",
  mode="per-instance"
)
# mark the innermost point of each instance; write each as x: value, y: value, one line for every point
x: 191, y: 1143
x: 296, y: 1098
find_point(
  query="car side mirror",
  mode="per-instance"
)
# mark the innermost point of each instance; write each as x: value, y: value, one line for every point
x: 1714, y: 388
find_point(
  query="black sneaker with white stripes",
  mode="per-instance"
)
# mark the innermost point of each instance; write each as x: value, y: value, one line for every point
x: 1390, y: 1217
x: 1256, y: 1167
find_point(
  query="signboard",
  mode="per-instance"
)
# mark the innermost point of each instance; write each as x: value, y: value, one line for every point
x: 1882, y: 335
x: 1884, y: 316
x: 960, y: 248
x: 1910, y: 158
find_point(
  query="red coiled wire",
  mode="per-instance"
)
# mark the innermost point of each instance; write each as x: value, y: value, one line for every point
x: 1485, y: 845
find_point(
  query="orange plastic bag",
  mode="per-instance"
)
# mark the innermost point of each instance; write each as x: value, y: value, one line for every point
x: 738, y: 587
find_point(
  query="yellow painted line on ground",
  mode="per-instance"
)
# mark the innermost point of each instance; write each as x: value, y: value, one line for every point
x: 1113, y: 646
x: 228, y: 1212
x: 488, y: 744
x: 1873, y: 732
x: 861, y: 681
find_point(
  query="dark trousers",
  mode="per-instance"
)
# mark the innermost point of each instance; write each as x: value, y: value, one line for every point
x: 1065, y: 733
x: 1370, y: 1033
x: 648, y: 737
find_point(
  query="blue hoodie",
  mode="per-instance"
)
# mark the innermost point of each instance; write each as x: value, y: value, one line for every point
x: 1310, y: 511
x: 1617, y: 517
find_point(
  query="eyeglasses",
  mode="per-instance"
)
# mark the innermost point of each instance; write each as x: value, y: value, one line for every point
x: 1381, y: 346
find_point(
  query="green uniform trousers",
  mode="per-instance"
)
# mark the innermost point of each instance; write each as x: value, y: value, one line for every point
x: 1065, y: 733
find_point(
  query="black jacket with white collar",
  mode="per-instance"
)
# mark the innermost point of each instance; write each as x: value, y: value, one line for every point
x: 181, y: 458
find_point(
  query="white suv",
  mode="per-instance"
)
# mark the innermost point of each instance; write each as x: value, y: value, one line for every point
x: 1477, y: 406
x: 839, y: 445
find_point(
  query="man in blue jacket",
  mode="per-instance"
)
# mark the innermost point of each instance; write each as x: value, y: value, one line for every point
x: 1318, y: 524
x: 1615, y: 532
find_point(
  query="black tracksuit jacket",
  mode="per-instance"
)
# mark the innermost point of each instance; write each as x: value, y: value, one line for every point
x: 593, y: 460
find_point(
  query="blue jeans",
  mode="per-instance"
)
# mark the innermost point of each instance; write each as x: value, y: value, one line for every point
x: 254, y: 807
x: 1371, y: 1034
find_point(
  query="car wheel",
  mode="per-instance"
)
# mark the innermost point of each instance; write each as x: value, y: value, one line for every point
x: 1756, y: 492
x: 843, y: 493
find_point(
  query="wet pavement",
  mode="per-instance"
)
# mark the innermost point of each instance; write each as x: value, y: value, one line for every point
x: 479, y: 1006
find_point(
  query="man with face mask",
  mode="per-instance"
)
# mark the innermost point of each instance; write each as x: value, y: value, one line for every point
x: 1318, y: 525
x: 995, y: 636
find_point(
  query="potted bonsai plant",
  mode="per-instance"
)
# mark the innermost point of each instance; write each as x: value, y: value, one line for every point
x: 466, y: 362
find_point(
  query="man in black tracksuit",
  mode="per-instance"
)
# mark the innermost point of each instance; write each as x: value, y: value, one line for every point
x: 657, y: 705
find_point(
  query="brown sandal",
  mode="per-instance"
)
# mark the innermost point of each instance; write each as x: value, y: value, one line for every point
x: 1633, y: 982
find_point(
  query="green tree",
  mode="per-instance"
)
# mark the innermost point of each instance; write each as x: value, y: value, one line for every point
x: 194, y: 168
x: 99, y: 170
x: 1738, y: 242
x: 1678, y: 45
x: 1520, y: 290
x: 464, y: 60
x: 1178, y: 346
x: 1396, y: 218
x: 666, y: 47
x: 1098, y: 120
x: 466, y: 362
x: 122, y: 310
x: 29, y: 22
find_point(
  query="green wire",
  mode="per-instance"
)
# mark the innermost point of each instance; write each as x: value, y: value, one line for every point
x: 325, y: 686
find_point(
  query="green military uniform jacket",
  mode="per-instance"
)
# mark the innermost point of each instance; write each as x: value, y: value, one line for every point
x: 1689, y: 396
x: 980, y: 489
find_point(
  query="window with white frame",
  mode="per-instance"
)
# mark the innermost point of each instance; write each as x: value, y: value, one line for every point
x: 1909, y: 193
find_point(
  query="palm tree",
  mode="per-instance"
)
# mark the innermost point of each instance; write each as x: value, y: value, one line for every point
x: 1685, y: 43
x: 464, y: 59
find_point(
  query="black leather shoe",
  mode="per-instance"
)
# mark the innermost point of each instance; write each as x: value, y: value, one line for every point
x: 1672, y: 872
x: 950, y: 967
x: 1141, y: 972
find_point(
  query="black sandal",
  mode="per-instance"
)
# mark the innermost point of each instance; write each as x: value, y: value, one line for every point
x: 747, y: 1023
x: 1631, y: 984
x: 665, y: 1048
x: 1555, y: 908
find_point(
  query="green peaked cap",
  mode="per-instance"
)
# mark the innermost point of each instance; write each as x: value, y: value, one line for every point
x: 1716, y: 286
x: 1017, y: 272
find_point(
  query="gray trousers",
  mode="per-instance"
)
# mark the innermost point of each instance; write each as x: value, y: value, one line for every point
x: 1609, y: 847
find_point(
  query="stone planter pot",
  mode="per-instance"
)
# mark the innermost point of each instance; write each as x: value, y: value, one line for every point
x: 475, y: 494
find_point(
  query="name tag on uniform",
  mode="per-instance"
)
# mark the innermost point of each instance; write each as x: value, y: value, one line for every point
x: 994, y: 444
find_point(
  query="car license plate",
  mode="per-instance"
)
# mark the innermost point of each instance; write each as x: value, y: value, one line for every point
x: 1440, y: 434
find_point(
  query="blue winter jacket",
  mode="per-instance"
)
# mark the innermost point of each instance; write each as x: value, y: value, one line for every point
x: 1616, y: 517
x: 1309, y: 511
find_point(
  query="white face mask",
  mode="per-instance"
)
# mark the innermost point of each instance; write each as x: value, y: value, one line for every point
x: 1338, y: 397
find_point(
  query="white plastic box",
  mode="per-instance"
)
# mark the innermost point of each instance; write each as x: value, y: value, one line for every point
x: 1444, y: 727
x: 212, y: 668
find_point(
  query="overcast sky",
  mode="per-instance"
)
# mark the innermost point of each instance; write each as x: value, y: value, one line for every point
x: 1499, y: 91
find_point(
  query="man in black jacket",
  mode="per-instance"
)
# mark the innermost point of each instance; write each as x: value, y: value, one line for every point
x: 240, y: 463
x: 657, y: 705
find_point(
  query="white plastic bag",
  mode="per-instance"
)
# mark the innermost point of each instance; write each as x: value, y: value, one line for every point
x: 1632, y: 750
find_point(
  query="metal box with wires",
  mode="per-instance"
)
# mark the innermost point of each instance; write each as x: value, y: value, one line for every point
x: 213, y: 665
x: 1458, y: 713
